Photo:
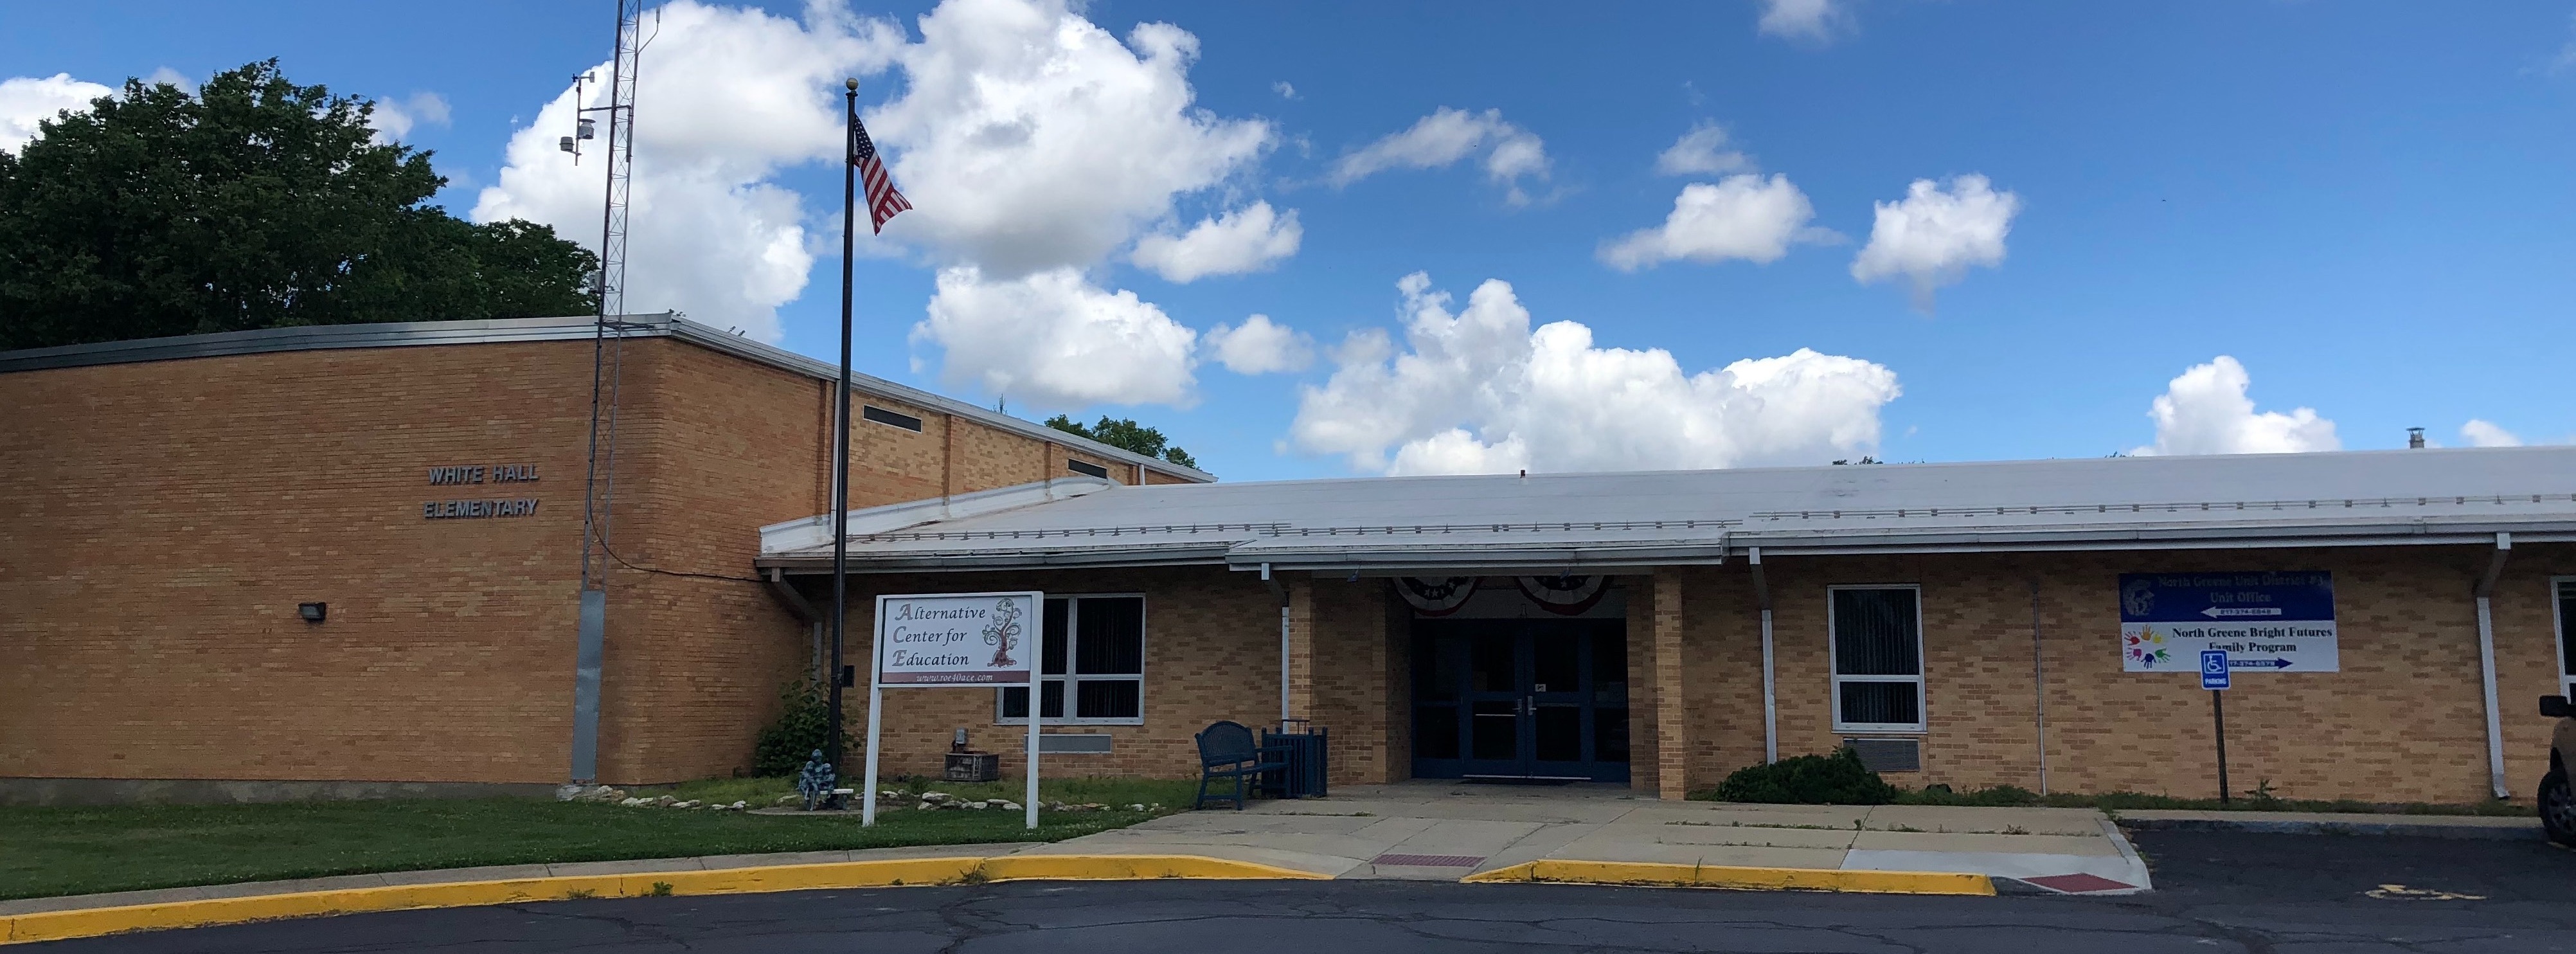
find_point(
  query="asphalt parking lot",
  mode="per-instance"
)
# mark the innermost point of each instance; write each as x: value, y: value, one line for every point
x: 2216, y: 892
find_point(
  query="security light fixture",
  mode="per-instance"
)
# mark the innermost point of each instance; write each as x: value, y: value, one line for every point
x: 313, y: 612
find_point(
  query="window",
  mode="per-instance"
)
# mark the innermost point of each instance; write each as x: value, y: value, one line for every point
x: 883, y: 416
x: 2565, y: 605
x: 1093, y: 652
x: 1878, y: 657
x: 1079, y: 467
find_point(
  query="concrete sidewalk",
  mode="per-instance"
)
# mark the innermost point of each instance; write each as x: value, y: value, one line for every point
x: 1445, y: 831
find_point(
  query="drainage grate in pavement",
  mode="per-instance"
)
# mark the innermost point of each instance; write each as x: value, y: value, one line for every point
x: 2078, y: 883
x: 1430, y: 861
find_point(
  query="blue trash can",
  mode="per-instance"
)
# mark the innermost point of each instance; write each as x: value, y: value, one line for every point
x: 1302, y: 744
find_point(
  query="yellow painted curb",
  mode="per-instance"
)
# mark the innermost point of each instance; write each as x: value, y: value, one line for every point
x: 1720, y: 876
x: 92, y: 922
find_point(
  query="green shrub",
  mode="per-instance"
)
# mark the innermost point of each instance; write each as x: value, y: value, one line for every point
x: 1837, y: 779
x: 804, y: 725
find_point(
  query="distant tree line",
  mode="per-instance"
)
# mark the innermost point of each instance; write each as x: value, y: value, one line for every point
x: 1126, y: 434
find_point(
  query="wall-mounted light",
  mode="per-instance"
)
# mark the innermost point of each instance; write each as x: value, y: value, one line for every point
x: 313, y: 612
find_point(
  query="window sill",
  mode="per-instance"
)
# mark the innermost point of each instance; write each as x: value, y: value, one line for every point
x: 1865, y: 728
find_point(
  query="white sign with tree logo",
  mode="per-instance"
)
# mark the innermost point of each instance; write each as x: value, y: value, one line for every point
x: 977, y: 640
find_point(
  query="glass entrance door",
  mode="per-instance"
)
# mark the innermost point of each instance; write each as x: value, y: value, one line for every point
x: 1523, y: 699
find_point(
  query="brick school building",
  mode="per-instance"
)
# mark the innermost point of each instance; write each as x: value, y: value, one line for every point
x: 171, y: 506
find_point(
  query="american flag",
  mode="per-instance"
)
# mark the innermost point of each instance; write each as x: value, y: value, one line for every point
x: 883, y: 201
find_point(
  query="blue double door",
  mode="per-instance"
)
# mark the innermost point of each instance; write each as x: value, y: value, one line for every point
x: 1520, y: 699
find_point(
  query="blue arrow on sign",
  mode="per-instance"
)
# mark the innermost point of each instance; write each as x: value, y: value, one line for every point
x: 2258, y: 663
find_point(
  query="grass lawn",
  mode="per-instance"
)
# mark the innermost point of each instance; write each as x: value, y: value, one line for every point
x: 81, y: 850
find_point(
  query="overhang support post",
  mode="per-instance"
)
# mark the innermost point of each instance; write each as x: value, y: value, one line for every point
x: 2484, y: 590
x: 1770, y: 694
x: 1280, y: 593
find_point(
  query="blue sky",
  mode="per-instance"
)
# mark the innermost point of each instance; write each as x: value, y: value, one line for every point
x: 2365, y: 205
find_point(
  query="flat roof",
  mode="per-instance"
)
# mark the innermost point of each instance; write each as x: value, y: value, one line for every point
x: 512, y: 330
x: 1564, y: 522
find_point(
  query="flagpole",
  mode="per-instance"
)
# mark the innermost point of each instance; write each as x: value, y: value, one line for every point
x: 841, y: 426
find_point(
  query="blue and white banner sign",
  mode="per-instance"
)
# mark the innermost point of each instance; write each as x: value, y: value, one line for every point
x: 2270, y: 621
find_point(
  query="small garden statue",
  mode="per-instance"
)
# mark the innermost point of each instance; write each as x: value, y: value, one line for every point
x: 818, y: 783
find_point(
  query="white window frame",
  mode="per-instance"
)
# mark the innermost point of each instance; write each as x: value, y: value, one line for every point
x: 2558, y: 623
x: 1833, y: 661
x: 1072, y: 636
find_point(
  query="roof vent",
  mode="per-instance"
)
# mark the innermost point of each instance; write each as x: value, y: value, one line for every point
x: 2414, y: 438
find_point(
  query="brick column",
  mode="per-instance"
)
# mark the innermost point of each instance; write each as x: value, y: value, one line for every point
x: 1672, y: 727
x: 1301, y: 647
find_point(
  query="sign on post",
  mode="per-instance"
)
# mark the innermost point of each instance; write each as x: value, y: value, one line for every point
x: 976, y: 640
x: 2266, y: 621
x: 2213, y: 669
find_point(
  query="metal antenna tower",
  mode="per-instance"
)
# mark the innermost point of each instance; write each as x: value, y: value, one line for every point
x: 608, y: 340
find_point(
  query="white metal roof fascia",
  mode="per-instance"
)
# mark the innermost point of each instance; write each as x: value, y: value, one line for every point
x: 816, y: 531
x: 1193, y: 554
x: 2414, y: 533
x: 394, y: 334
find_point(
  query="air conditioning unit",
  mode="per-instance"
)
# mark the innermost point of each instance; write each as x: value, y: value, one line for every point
x: 1888, y: 755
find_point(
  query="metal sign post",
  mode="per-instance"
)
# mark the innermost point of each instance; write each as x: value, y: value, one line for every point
x: 974, y: 640
x: 2214, y: 672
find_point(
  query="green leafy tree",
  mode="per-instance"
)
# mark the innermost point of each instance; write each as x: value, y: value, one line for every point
x: 252, y: 203
x: 1126, y: 434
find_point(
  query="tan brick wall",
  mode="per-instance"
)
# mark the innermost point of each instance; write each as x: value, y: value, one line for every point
x: 1358, y: 679
x: 160, y: 521
x: 2403, y: 720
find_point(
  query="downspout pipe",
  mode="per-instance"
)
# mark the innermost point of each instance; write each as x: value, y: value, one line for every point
x: 1770, y: 698
x: 1280, y: 593
x: 2485, y: 591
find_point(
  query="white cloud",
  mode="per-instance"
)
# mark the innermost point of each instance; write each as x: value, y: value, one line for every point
x: 1260, y: 346
x: 1034, y: 147
x: 1284, y: 89
x: 1245, y: 240
x: 1447, y: 136
x: 734, y: 95
x: 1702, y: 151
x: 2205, y: 411
x: 1742, y: 217
x: 1803, y: 19
x: 396, y: 118
x: 2483, y: 433
x: 1028, y: 138
x: 1933, y: 236
x: 26, y: 100
x: 164, y: 75
x: 1479, y: 391
x: 1052, y: 339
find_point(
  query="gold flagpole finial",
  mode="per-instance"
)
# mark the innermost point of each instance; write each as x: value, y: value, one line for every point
x: 852, y: 83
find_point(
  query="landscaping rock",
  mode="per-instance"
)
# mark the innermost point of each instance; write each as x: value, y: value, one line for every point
x: 1011, y: 806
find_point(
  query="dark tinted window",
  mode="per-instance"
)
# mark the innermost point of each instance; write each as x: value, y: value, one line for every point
x: 1874, y: 635
x: 1113, y: 637
x: 883, y: 416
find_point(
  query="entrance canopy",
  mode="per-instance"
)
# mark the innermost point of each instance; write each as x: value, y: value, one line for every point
x: 1559, y: 523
